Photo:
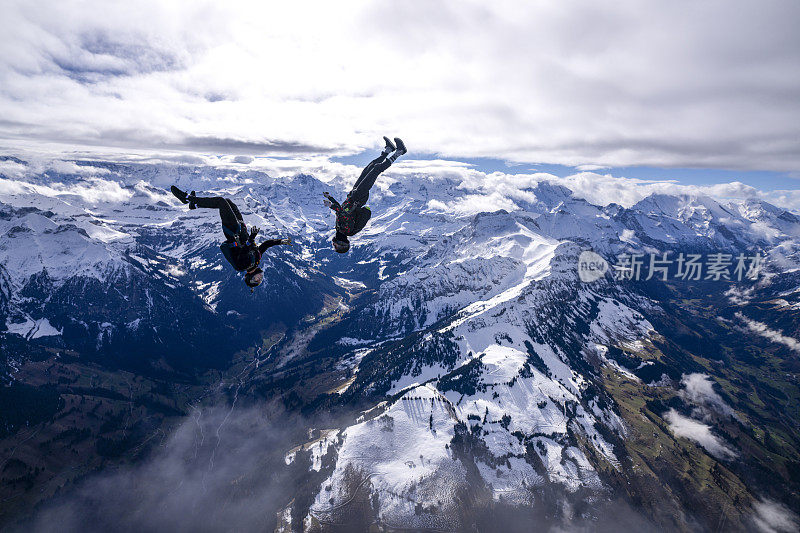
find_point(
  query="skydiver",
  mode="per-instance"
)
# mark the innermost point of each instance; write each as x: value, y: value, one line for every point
x: 239, y: 247
x: 352, y: 214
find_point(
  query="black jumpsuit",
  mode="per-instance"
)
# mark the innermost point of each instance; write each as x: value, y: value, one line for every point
x: 352, y: 215
x: 238, y: 249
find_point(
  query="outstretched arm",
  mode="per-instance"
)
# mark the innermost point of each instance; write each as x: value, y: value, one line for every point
x: 331, y: 202
x: 272, y: 242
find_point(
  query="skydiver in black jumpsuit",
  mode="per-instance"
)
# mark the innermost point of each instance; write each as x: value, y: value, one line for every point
x: 239, y: 247
x: 353, y: 214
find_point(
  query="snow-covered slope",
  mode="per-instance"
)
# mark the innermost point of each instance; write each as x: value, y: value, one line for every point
x: 481, y: 352
x: 114, y: 264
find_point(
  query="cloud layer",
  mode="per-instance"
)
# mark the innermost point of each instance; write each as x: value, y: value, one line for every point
x: 698, y: 432
x: 219, y: 470
x: 773, y: 517
x: 771, y: 334
x: 698, y: 389
x: 485, y: 192
x: 689, y: 84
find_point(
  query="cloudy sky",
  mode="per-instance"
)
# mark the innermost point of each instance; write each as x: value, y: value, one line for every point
x: 642, y: 89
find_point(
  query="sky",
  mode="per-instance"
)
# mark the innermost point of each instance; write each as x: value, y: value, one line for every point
x: 698, y: 92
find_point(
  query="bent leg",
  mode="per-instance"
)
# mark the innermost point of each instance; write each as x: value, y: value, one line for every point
x: 360, y: 192
x: 230, y: 223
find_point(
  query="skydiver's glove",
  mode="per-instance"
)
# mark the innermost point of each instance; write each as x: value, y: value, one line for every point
x: 287, y: 241
x: 327, y: 203
x: 331, y: 202
x: 253, y: 232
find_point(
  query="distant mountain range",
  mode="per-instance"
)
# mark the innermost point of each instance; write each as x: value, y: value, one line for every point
x: 472, y: 380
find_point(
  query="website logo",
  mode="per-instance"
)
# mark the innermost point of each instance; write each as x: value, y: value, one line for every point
x: 591, y: 266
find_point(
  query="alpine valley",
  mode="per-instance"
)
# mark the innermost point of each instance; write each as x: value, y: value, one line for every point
x: 451, y: 373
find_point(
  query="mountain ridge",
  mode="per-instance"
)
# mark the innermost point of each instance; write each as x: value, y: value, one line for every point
x: 483, y: 361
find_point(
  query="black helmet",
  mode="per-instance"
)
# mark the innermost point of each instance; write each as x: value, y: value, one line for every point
x: 341, y: 244
x: 254, y: 277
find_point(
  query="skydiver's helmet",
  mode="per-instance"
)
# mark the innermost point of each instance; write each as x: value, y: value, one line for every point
x: 340, y: 243
x: 253, y: 278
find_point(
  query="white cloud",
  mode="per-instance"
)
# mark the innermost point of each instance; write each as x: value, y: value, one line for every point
x: 598, y: 189
x: 96, y: 190
x: 771, y: 334
x: 501, y: 188
x: 92, y: 190
x: 590, y: 168
x: 14, y: 187
x: 709, y: 84
x: 473, y: 204
x: 699, y: 433
x: 38, y: 164
x: 605, y: 189
x: 773, y: 517
x: 13, y: 170
x: 70, y: 167
x: 154, y: 194
x: 699, y: 390
x: 789, y: 199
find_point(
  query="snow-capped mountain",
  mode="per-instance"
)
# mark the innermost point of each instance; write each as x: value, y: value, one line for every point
x: 123, y: 267
x: 481, y: 372
x: 506, y: 369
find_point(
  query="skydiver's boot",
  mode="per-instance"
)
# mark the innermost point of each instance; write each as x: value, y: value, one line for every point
x: 389, y: 148
x: 179, y: 194
x: 401, y: 149
x: 185, y: 198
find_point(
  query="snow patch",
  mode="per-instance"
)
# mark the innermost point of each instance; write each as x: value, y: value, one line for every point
x: 33, y: 329
x: 348, y: 283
